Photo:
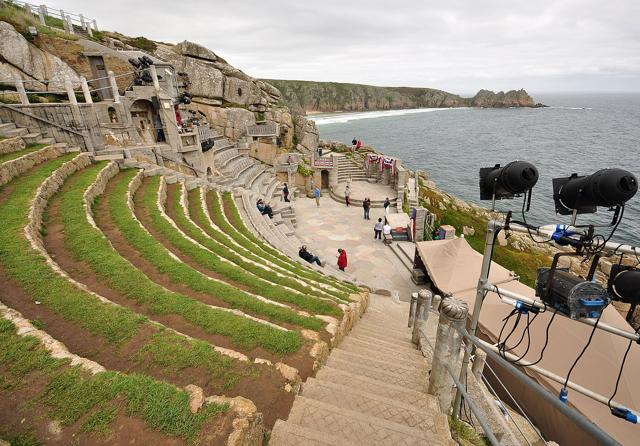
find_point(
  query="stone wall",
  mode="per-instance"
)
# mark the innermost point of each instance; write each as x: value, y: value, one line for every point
x: 11, y: 145
x: 15, y: 167
x: 266, y: 153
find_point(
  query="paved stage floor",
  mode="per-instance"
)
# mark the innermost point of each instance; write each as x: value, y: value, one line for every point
x: 333, y: 226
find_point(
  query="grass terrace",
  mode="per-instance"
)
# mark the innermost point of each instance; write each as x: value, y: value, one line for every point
x: 13, y: 155
x: 181, y: 273
x: 88, y: 244
x: 69, y: 395
x: 241, y: 233
x: 265, y: 284
x: 198, y: 215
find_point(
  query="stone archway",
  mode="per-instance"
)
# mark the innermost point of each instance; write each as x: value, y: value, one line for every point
x: 145, y: 118
x: 324, y: 179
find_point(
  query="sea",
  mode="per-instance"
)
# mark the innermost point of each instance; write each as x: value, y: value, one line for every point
x: 576, y: 133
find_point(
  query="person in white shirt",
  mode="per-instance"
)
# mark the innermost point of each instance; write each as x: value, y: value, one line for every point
x: 386, y: 230
x: 377, y: 229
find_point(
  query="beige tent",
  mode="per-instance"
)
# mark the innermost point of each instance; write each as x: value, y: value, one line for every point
x: 454, y: 267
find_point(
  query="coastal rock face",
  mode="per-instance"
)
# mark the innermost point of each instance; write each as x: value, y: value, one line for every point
x: 306, y: 96
x: 513, y: 98
x: 22, y: 59
x: 228, y: 122
x: 307, y: 134
x: 213, y: 78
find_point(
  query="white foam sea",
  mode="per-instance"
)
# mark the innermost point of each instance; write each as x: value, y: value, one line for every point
x: 338, y: 118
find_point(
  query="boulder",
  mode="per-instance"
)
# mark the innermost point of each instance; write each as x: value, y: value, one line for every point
x: 502, y: 239
x: 468, y: 230
x: 191, y: 49
x: 196, y: 397
x: 29, y: 61
x: 230, y: 122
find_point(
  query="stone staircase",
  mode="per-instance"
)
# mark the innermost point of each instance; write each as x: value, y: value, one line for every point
x: 349, y: 170
x: 370, y: 392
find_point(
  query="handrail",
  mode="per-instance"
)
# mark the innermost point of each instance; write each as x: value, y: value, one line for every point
x: 17, y: 110
x: 56, y: 13
x: 580, y: 420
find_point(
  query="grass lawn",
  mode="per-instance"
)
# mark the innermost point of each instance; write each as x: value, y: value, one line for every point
x: 13, y: 155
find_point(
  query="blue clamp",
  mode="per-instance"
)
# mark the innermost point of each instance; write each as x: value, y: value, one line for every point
x: 521, y: 307
x: 564, y: 395
x: 625, y: 414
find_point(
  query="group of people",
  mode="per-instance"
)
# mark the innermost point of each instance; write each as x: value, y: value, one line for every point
x: 356, y: 143
x: 381, y: 228
x: 305, y: 254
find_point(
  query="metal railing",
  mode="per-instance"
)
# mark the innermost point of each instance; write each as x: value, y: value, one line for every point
x: 419, y: 310
x: 69, y: 19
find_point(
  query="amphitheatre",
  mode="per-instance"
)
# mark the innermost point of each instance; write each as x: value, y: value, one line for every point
x: 146, y: 300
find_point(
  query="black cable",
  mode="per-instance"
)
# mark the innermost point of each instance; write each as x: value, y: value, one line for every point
x: 624, y: 359
x: 546, y: 342
x: 524, y: 219
x: 584, y: 349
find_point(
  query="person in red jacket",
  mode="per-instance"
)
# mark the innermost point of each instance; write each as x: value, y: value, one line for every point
x: 342, y: 259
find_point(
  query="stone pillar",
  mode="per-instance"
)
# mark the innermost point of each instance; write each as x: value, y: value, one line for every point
x: 386, y: 176
x: 453, y: 314
x: 82, y: 23
x: 412, y: 309
x: 154, y: 77
x: 69, y: 25
x: 435, y: 303
x: 479, y: 361
x: 24, y: 99
x: 421, y: 314
x: 114, y: 87
x: 85, y: 90
x: 421, y: 218
x: 42, y: 13
x: 95, y: 25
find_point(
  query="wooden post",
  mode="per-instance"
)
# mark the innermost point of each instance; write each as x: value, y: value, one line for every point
x: 41, y: 14
x: 421, y: 314
x: 95, y: 25
x: 24, y: 99
x: 453, y: 314
x: 82, y: 23
x: 70, y: 93
x: 114, y: 87
x: 85, y: 90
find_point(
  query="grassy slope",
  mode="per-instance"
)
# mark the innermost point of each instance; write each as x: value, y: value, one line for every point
x: 88, y: 244
x: 182, y: 273
x: 70, y: 394
x: 201, y: 220
x: 237, y: 273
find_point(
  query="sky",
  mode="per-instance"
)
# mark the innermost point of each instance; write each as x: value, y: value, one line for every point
x: 455, y: 45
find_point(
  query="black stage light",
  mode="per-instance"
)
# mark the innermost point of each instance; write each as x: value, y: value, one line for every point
x: 624, y: 285
x: 513, y: 179
x: 570, y: 294
x: 583, y: 194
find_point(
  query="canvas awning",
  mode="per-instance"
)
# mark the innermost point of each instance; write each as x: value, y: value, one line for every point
x: 459, y: 267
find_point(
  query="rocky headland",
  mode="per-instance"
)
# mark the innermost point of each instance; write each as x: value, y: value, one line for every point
x: 309, y: 96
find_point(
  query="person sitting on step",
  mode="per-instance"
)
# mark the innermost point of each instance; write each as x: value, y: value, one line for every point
x: 309, y: 257
x: 264, y: 208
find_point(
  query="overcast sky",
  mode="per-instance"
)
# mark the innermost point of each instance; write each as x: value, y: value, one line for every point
x: 455, y: 45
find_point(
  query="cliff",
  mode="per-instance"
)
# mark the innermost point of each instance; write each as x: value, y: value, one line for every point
x: 309, y: 96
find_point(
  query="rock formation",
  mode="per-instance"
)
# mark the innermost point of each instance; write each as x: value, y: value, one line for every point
x: 307, y: 96
x: 23, y: 60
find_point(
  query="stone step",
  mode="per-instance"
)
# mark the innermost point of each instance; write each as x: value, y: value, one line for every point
x: 356, y: 427
x: 289, y: 434
x: 109, y: 157
x: 374, y: 351
x: 410, y: 380
x: 413, y: 368
x: 32, y: 138
x: 374, y: 327
x: 46, y: 141
x: 370, y: 403
x: 401, y: 345
x: 414, y: 398
x: 15, y: 132
x: 6, y: 127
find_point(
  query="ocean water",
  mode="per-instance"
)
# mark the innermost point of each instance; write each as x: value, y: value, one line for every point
x: 575, y: 134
